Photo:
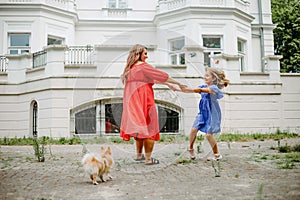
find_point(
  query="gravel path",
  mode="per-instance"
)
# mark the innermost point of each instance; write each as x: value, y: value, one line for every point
x: 249, y: 170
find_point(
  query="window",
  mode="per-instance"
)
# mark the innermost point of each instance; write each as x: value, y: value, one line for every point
x: 85, y: 121
x: 214, y: 46
x: 168, y: 120
x: 34, y: 119
x: 19, y: 43
x: 241, y: 52
x: 113, y: 114
x: 121, y: 4
x: 177, y: 56
x: 54, y: 40
x: 105, y: 117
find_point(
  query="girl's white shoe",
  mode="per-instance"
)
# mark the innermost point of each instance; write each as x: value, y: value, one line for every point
x: 215, y: 157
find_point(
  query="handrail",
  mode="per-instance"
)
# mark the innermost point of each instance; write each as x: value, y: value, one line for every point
x: 82, y: 55
x: 39, y: 59
x: 3, y: 63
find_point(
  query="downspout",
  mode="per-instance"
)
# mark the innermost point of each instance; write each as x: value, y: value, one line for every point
x: 261, y: 33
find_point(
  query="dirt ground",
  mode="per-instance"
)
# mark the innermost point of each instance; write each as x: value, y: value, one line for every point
x: 248, y: 170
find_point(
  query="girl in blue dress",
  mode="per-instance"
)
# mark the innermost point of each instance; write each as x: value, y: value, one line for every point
x: 208, y: 119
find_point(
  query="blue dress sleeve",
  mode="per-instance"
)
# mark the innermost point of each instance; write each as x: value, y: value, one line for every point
x: 218, y: 92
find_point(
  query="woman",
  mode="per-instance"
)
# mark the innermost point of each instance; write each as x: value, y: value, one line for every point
x: 139, y: 118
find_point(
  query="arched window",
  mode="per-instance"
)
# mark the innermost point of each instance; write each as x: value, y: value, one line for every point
x: 104, y: 118
x: 34, y: 118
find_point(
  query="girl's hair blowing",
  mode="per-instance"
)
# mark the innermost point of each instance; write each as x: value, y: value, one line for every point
x: 134, y: 56
x: 221, y: 80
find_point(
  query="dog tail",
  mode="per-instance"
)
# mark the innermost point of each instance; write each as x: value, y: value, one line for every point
x: 89, y: 163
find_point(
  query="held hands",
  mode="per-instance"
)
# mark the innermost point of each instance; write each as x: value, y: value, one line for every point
x: 174, y: 88
x: 183, y: 88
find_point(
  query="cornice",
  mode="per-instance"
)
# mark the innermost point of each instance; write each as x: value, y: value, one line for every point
x: 204, y: 11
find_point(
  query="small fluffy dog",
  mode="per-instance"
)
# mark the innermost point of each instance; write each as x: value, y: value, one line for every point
x: 98, y: 166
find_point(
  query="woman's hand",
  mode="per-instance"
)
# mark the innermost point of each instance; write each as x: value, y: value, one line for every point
x: 174, y: 88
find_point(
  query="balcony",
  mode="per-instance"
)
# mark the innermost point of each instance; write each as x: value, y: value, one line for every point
x: 68, y: 5
x: 170, y: 5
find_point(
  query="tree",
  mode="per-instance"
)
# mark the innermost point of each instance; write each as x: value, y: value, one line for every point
x: 286, y: 14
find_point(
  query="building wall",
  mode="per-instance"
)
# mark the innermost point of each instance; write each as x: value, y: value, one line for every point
x: 258, y: 100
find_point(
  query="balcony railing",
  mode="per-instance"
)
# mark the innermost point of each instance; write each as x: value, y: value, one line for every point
x: 39, y: 59
x: 3, y: 63
x: 63, y: 4
x: 79, y: 55
x: 169, y: 5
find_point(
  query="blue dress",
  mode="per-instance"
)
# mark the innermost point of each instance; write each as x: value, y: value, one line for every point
x: 208, y: 119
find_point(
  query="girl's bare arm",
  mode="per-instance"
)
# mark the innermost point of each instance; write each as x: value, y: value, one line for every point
x: 196, y: 90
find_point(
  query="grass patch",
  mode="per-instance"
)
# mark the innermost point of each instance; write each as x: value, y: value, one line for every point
x: 172, y: 138
x: 183, y: 161
x: 250, y: 137
x: 39, y: 149
x: 164, y: 138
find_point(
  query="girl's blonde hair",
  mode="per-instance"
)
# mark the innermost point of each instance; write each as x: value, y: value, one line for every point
x: 133, y: 57
x: 221, y: 80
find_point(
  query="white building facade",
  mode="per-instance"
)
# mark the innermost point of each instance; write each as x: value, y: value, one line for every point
x: 61, y: 62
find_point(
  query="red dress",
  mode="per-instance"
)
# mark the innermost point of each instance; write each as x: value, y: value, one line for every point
x: 139, y: 118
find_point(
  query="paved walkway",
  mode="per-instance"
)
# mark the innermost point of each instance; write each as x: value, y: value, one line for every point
x: 249, y: 170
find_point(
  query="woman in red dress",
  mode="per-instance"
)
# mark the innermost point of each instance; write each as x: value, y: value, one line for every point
x: 139, y: 118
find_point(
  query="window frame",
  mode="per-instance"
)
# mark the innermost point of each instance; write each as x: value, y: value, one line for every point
x: 19, y: 49
x: 209, y: 51
x: 101, y: 117
x: 242, y: 54
x: 177, y: 57
x: 55, y: 38
x: 118, y: 4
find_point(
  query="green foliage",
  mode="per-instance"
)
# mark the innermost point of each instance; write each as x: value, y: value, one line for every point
x: 172, y: 138
x: 249, y: 137
x: 286, y: 15
x: 39, y: 148
x: 32, y: 141
x: 287, y: 149
x: 183, y: 161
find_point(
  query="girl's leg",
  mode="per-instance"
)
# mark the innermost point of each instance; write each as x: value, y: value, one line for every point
x: 212, y: 143
x: 148, y: 145
x: 139, y: 148
x: 193, y: 135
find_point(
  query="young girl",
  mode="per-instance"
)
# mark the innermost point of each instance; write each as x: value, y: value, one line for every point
x: 208, y: 119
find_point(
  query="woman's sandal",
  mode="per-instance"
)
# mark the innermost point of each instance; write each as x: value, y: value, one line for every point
x: 153, y: 162
x: 192, y: 154
x: 140, y: 159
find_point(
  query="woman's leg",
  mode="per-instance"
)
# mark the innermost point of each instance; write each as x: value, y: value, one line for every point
x: 148, y: 145
x: 139, y: 148
x: 212, y: 143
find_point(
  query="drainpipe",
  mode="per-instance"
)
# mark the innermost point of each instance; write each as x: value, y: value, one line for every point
x: 261, y: 33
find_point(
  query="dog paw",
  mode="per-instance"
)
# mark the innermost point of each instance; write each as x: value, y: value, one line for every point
x: 95, y: 183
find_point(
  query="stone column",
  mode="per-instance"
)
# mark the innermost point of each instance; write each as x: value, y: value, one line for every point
x: 229, y: 64
x: 55, y: 60
x: 272, y: 66
x: 17, y: 66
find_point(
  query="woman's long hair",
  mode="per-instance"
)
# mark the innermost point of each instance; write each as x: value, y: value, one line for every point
x: 133, y: 57
x: 221, y: 80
